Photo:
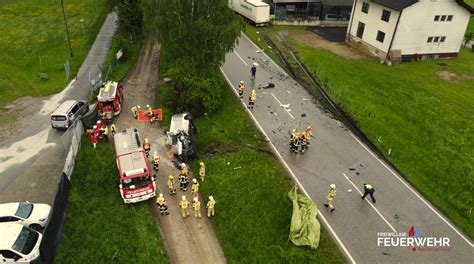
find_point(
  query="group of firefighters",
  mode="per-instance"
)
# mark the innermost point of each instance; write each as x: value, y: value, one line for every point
x: 100, y: 132
x: 252, y: 95
x: 299, y: 141
x: 149, y: 111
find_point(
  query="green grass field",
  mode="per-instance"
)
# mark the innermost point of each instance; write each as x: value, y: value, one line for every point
x: 34, y: 44
x: 253, y: 211
x: 426, y: 121
x: 99, y: 228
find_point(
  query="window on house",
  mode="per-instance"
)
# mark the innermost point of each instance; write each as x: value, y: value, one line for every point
x: 436, y: 18
x: 430, y: 39
x: 450, y: 17
x: 443, y: 18
x: 365, y: 7
x: 380, y: 36
x: 360, y: 30
x: 385, y: 15
x: 442, y: 39
x: 436, y: 39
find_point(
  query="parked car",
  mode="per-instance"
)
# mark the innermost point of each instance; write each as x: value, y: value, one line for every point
x: 19, y: 244
x: 28, y: 214
x: 67, y: 112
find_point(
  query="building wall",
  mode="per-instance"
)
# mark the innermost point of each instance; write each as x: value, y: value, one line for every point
x: 373, y: 23
x: 417, y: 24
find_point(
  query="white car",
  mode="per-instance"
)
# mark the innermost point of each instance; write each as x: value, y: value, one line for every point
x: 28, y: 214
x: 19, y: 244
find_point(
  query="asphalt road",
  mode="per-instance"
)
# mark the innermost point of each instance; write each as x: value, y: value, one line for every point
x: 32, y: 160
x: 337, y: 156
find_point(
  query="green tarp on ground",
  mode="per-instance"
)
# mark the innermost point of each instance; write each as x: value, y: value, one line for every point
x: 305, y: 228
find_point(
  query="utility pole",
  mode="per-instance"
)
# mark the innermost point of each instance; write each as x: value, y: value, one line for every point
x: 67, y: 30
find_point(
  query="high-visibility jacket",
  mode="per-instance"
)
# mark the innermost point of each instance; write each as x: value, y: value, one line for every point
x: 184, y: 204
x: 171, y: 184
x: 184, y: 171
x: 183, y: 178
x: 156, y: 159
x: 197, y: 206
x: 202, y: 171
x: 241, y: 87
x: 195, y: 187
x: 161, y: 201
x: 146, y: 146
x: 106, y: 131
x: 253, y: 97
x: 331, y: 194
x: 112, y: 128
x: 368, y: 187
x: 211, y: 203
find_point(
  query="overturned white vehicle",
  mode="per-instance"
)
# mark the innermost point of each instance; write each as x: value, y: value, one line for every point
x: 180, y: 137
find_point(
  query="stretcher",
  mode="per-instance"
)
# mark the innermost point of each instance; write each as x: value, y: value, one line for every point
x: 143, y: 115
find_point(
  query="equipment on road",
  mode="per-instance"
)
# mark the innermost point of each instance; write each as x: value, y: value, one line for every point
x: 136, y: 182
x: 256, y: 11
x: 181, y: 137
x: 109, y: 101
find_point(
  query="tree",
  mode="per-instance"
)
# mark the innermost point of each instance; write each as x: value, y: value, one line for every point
x: 198, y: 31
x: 130, y: 15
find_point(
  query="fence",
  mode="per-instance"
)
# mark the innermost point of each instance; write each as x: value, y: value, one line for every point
x: 52, y: 233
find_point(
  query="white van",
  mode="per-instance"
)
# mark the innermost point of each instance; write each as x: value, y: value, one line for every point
x: 67, y: 112
x: 19, y: 244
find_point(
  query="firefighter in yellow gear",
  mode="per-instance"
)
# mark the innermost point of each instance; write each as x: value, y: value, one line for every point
x: 210, y: 206
x: 309, y: 131
x: 184, y: 169
x: 330, y: 197
x: 202, y: 170
x: 135, y: 110
x: 112, y: 129
x: 195, y: 188
x: 146, y: 147
x: 156, y: 161
x: 252, y: 99
x: 294, y: 140
x: 303, y: 139
x: 149, y: 112
x: 197, y: 208
x: 184, y: 205
x: 161, y: 202
x: 241, y: 89
x: 171, y: 185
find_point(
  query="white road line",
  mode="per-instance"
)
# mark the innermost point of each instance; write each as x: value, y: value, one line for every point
x: 388, y: 168
x: 282, y: 106
x: 376, y: 210
x: 414, y: 192
x: 290, y: 171
x: 236, y: 53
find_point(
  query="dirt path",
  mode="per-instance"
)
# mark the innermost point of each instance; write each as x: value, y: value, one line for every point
x: 187, y: 240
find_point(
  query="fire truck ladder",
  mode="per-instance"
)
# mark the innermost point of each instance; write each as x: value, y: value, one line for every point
x: 133, y: 144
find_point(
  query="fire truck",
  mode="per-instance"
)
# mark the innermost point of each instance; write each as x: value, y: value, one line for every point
x: 109, y: 101
x: 136, y: 180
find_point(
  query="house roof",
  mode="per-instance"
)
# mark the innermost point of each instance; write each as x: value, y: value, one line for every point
x: 466, y: 5
x: 396, y: 4
x: 337, y: 2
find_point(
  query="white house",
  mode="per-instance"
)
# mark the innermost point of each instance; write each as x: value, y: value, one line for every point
x: 409, y: 29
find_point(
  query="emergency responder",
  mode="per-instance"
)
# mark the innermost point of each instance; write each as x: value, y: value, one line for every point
x: 105, y: 132
x: 368, y: 190
x: 202, y: 170
x: 146, y: 147
x: 253, y: 71
x: 135, y: 110
x: 171, y: 185
x: 197, y: 207
x: 99, y: 129
x: 241, y: 89
x: 149, y: 112
x: 252, y: 99
x: 156, y: 160
x: 304, y: 141
x: 94, y: 136
x: 184, y: 169
x: 293, y: 140
x: 161, y: 202
x: 183, y: 181
x: 112, y: 129
x: 309, y: 131
x: 210, y: 206
x: 184, y: 205
x: 195, y: 188
x: 330, y: 197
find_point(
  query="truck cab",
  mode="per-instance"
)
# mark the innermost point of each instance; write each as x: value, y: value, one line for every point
x: 109, y: 101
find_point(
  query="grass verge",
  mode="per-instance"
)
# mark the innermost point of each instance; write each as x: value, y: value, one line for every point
x: 426, y: 121
x: 34, y: 44
x: 99, y: 227
x: 253, y: 212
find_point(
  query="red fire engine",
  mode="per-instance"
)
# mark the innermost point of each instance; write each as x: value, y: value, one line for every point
x: 136, y: 180
x: 109, y: 101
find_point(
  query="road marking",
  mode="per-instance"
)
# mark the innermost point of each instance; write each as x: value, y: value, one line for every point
x: 236, y: 53
x: 413, y: 191
x: 376, y: 210
x: 282, y: 106
x: 388, y: 168
x: 289, y: 170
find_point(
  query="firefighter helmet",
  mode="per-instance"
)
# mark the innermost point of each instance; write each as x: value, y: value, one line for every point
x: 242, y: 82
x: 94, y: 127
x: 170, y: 177
x: 195, y: 199
x: 201, y: 164
x: 195, y: 181
x: 333, y: 186
x: 146, y: 140
x: 183, y: 197
x: 138, y: 106
x: 211, y: 198
x: 160, y: 195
